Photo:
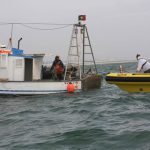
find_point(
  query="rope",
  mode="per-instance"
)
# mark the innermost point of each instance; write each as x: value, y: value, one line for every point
x: 45, y: 28
x: 28, y: 25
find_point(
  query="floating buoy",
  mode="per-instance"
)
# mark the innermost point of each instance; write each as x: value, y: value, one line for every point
x: 70, y: 88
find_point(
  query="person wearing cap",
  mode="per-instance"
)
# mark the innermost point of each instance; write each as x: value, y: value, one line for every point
x: 143, y: 64
x: 57, y: 68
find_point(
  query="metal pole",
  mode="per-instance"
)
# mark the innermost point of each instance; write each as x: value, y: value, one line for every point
x: 11, y: 36
x: 83, y: 28
x: 19, y: 42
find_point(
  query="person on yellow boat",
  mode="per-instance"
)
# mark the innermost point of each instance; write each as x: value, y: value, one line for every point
x: 143, y: 64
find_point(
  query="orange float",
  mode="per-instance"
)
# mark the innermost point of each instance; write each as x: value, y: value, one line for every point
x: 70, y: 88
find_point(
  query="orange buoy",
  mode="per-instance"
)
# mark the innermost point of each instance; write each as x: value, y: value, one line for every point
x: 70, y: 88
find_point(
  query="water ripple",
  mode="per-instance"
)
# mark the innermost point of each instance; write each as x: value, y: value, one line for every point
x: 103, y: 119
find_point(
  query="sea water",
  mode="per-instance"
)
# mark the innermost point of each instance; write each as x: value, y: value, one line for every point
x: 102, y: 119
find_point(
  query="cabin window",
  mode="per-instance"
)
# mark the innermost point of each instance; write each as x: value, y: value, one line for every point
x: 3, y: 60
x: 19, y: 63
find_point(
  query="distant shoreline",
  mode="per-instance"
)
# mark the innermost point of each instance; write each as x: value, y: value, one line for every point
x: 114, y: 61
x: 103, y: 62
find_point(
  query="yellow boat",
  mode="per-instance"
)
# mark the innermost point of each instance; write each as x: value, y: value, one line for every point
x: 130, y: 82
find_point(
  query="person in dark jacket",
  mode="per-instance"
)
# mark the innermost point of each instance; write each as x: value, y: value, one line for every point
x: 57, y: 68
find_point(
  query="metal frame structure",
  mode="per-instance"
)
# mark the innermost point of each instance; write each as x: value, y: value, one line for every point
x: 80, y: 48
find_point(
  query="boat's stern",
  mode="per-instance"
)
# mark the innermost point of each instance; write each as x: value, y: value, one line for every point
x: 91, y: 82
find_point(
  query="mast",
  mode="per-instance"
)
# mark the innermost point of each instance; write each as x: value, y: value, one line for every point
x: 80, y: 45
x: 86, y: 47
x: 11, y: 36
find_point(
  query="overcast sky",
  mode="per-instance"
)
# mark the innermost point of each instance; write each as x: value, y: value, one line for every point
x: 118, y: 29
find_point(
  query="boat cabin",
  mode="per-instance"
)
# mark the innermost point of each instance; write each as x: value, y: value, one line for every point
x: 17, y: 66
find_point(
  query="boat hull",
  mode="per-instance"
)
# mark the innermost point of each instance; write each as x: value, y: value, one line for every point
x: 91, y: 82
x: 36, y: 87
x: 42, y: 87
x: 130, y: 82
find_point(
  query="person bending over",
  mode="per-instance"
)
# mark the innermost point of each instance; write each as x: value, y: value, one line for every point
x: 143, y: 65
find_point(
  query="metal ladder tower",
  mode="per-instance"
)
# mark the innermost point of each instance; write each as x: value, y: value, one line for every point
x: 88, y: 56
x: 73, y: 59
x: 80, y: 45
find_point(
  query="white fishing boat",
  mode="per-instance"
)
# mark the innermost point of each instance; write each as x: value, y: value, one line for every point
x: 22, y: 74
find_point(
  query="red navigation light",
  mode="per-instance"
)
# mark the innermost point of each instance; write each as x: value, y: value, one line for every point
x: 82, y: 17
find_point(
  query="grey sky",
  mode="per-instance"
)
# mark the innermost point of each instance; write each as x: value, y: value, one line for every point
x: 118, y: 29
